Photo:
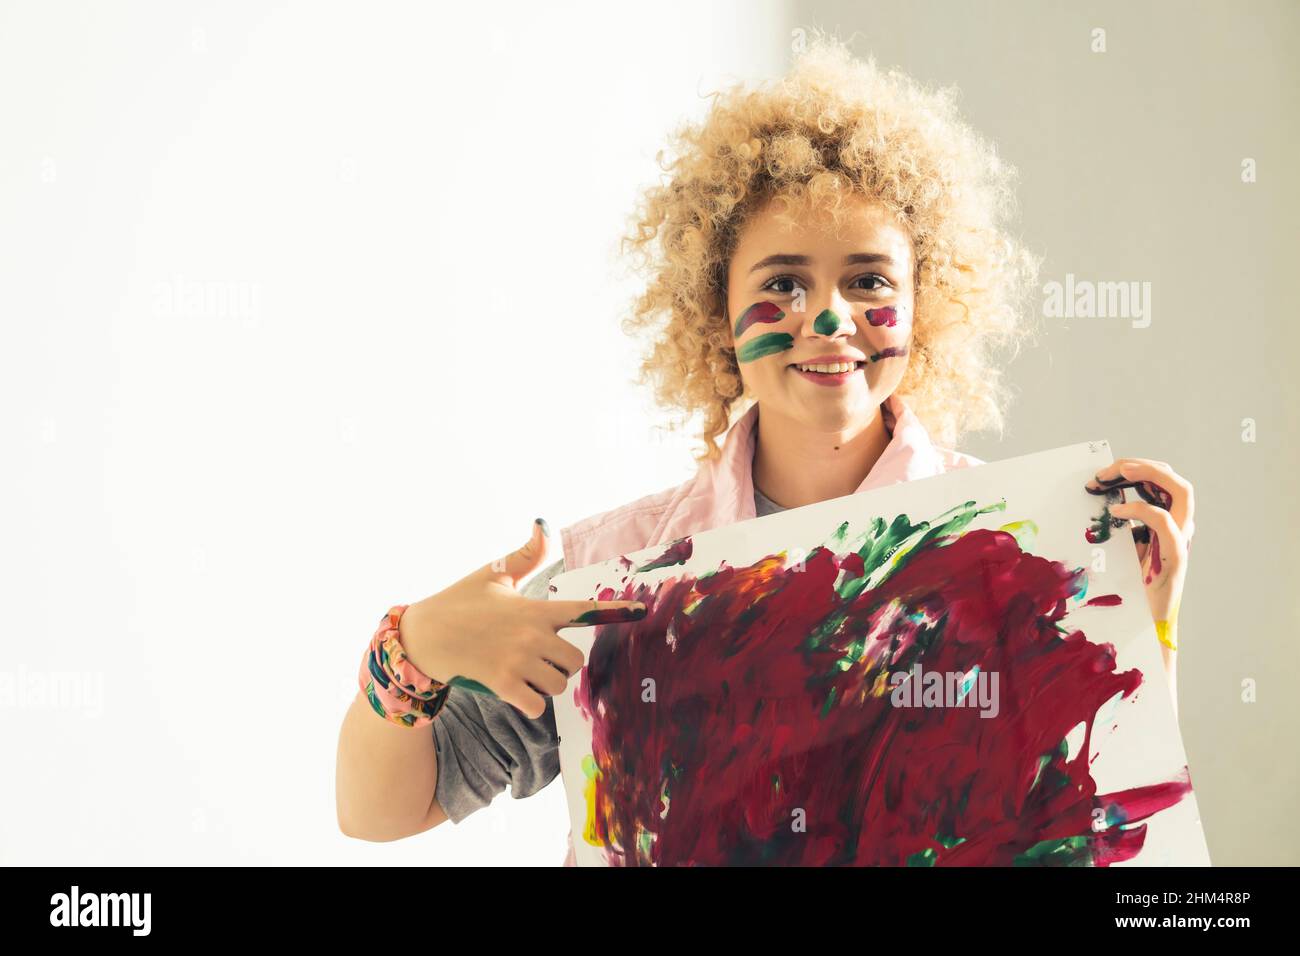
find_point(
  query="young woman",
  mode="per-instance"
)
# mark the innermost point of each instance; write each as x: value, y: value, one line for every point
x: 830, y: 247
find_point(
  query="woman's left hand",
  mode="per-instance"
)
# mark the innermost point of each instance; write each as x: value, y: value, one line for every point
x: 1163, y: 544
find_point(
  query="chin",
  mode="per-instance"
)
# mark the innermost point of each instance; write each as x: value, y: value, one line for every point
x: 835, y: 415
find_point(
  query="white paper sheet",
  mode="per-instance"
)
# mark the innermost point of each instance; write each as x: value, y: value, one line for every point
x: 1135, y: 740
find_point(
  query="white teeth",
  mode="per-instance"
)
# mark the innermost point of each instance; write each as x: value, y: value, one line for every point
x: 837, y: 367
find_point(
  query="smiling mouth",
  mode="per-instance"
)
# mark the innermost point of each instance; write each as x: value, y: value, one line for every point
x: 814, y: 368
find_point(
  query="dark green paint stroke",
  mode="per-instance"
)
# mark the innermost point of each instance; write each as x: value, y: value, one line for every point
x: 609, y: 615
x: 766, y: 344
x: 1066, y: 851
x: 928, y: 856
x: 883, y: 541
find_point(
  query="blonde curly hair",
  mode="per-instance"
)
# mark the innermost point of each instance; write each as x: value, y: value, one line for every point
x: 834, y: 125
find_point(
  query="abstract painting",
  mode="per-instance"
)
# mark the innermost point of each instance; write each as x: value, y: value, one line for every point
x: 951, y: 671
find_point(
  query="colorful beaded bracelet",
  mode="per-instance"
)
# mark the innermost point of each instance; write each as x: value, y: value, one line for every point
x: 396, y: 688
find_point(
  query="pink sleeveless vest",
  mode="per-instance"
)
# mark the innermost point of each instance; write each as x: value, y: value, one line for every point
x: 722, y: 493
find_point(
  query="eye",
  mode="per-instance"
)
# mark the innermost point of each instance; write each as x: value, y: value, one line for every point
x: 872, y: 276
x: 769, y: 286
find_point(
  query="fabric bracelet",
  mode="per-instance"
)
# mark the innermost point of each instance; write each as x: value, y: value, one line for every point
x: 397, y: 690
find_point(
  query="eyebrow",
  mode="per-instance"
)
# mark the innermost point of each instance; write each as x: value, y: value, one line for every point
x: 789, y: 259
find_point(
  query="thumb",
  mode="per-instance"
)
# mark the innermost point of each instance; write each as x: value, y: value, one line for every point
x: 518, y: 564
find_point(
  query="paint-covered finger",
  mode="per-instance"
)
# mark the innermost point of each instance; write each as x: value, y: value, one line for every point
x: 1131, y: 469
x: 1154, y: 517
x: 1116, y: 468
x: 1148, y: 491
x: 588, y: 613
x: 1154, y: 481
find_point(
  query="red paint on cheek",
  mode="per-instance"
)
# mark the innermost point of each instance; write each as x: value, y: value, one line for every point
x: 758, y: 313
x: 887, y: 317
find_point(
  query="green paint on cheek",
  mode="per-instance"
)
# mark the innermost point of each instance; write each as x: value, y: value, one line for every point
x: 826, y: 323
x: 765, y: 344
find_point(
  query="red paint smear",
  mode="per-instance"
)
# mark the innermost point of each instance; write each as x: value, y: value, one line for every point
x: 756, y: 313
x: 886, y: 317
x: 1154, y: 567
x: 679, y: 552
x: 1154, y: 494
x: 1104, y: 600
x: 740, y: 688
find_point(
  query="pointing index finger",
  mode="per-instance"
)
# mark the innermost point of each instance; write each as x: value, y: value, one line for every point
x: 589, y: 613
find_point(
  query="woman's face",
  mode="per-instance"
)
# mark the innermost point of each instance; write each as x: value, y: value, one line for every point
x: 798, y: 295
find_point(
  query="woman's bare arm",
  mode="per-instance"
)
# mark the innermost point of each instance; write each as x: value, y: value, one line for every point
x: 386, y: 777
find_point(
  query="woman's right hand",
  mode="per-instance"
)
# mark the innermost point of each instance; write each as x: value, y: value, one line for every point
x: 481, y: 630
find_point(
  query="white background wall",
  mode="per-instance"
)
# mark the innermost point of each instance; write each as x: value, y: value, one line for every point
x: 400, y: 220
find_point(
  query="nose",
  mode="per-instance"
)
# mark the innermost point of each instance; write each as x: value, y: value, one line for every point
x: 832, y: 318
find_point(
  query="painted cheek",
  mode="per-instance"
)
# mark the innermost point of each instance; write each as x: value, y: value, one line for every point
x: 887, y: 317
x: 759, y: 312
x: 894, y: 351
x: 765, y: 344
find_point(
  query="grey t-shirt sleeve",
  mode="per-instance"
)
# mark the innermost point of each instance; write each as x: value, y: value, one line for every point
x: 485, y: 744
